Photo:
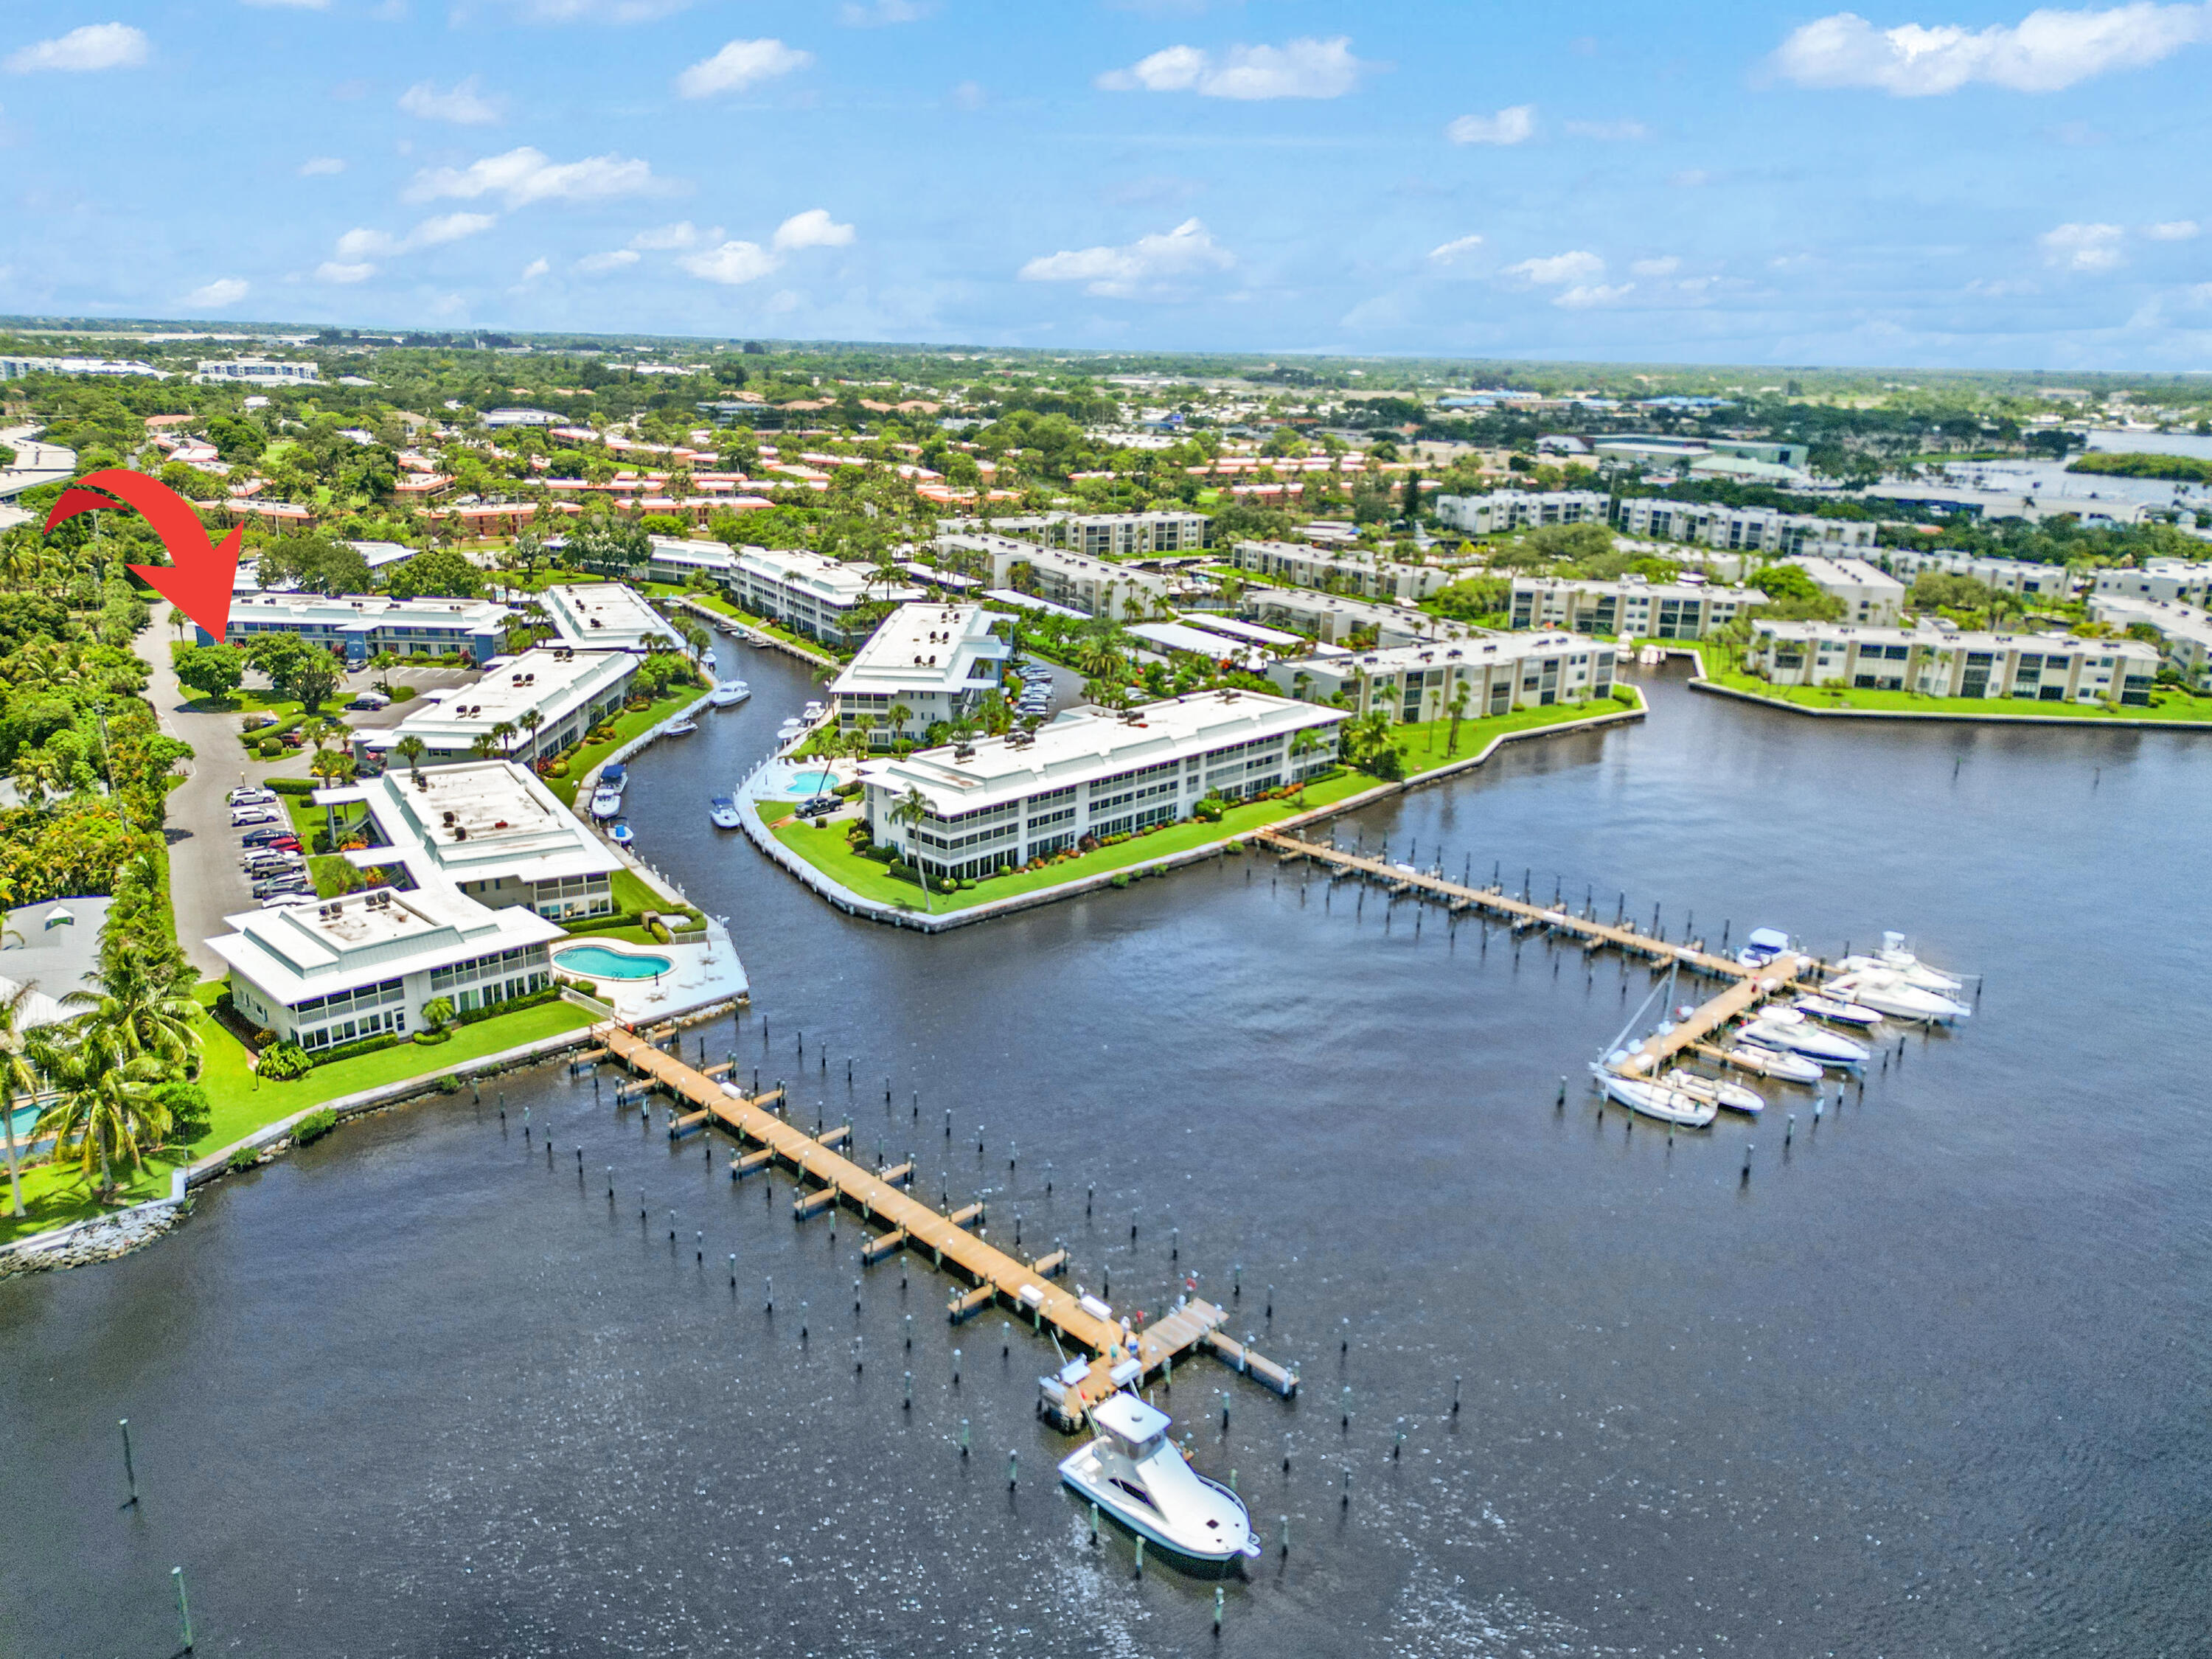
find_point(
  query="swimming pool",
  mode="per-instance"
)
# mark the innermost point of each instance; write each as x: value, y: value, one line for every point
x: 597, y: 962
x: 814, y: 783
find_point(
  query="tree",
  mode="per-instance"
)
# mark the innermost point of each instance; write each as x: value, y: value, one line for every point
x: 439, y: 1011
x: 295, y: 669
x: 1791, y: 596
x: 17, y: 1082
x: 1413, y: 497
x: 384, y: 662
x: 1458, y: 706
x: 908, y: 812
x: 502, y: 736
x: 38, y: 774
x: 531, y: 720
x: 898, y: 714
x: 104, y: 1107
x: 316, y: 563
x: 213, y: 671
x: 411, y: 749
x: 441, y: 573
x: 130, y: 1001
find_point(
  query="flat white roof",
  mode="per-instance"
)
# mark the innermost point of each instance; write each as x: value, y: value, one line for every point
x: 551, y: 679
x: 604, y: 614
x: 478, y: 821
x: 380, y: 554
x: 299, y: 952
x: 1844, y: 573
x: 2185, y: 622
x: 831, y: 581
x: 1239, y: 630
x: 1086, y: 743
x: 1175, y: 636
x: 1739, y: 593
x: 1443, y: 653
x: 363, y: 612
x: 1030, y: 602
x: 704, y: 556
x: 925, y: 648
x: 1845, y: 632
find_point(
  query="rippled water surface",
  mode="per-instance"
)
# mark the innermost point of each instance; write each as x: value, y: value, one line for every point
x: 1931, y: 1382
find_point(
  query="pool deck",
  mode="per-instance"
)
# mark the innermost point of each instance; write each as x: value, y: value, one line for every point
x: 705, y: 974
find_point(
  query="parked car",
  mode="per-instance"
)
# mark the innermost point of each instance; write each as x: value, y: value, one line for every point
x: 819, y: 806
x: 249, y: 794
x: 274, y: 901
x: 263, y: 890
x: 370, y: 700
x: 248, y: 816
x: 270, y: 835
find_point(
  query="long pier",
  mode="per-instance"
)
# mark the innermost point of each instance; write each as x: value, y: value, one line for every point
x: 1116, y: 1357
x: 1746, y: 987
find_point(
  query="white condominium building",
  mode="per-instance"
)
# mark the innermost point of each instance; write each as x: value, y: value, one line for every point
x: 675, y: 559
x: 1411, y: 683
x: 1338, y: 572
x: 568, y: 692
x: 1059, y: 575
x: 1111, y: 535
x: 2184, y: 632
x: 1751, y: 529
x: 2035, y: 581
x: 808, y: 593
x: 1937, y: 662
x: 929, y: 662
x: 2175, y: 579
x: 1631, y: 607
x: 365, y: 625
x: 489, y: 830
x: 1501, y: 510
x: 325, y: 974
x: 1871, y: 598
x: 1333, y: 619
x: 260, y: 373
x: 1003, y: 801
x: 608, y: 617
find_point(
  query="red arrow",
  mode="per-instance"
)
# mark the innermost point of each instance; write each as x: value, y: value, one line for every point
x: 199, y: 577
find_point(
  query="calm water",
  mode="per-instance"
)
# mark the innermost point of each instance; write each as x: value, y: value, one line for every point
x: 1932, y: 1383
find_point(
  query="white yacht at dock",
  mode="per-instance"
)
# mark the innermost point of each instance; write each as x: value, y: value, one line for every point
x: 1134, y: 1472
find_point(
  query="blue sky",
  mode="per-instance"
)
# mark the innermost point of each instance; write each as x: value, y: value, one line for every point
x: 1949, y: 184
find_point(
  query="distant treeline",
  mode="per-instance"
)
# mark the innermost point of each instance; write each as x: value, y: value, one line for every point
x: 2181, y: 468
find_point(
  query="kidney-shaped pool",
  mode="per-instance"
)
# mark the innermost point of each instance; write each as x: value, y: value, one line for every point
x: 597, y: 962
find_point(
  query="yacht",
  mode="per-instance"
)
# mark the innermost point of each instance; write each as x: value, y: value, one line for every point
x: 1761, y: 946
x: 1893, y: 993
x: 728, y: 694
x: 607, y: 803
x: 1788, y: 1029
x: 812, y: 713
x: 723, y: 810
x: 682, y: 728
x: 1721, y: 1092
x: 1656, y: 1100
x: 1134, y: 1471
x: 1894, y: 958
x: 1772, y: 1062
x: 1838, y: 1012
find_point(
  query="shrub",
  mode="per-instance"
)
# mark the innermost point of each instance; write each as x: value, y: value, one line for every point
x: 431, y: 1039
x: 242, y: 1158
x: 282, y: 1061
x: 270, y: 751
x: 314, y: 1125
x: 1121, y: 879
x: 449, y: 1084
x: 366, y: 1045
x: 590, y: 987
x: 189, y: 1110
x: 1624, y: 695
x: 291, y: 786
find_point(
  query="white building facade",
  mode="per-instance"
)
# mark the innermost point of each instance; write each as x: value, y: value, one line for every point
x: 1111, y: 535
x: 1744, y: 529
x: 2175, y: 581
x: 808, y: 593
x: 262, y: 373
x: 1947, y: 663
x: 1096, y: 586
x: 2046, y: 582
x: 1870, y: 597
x: 1632, y: 607
x: 361, y: 626
x: 2184, y: 632
x: 1336, y: 572
x: 608, y: 617
x: 930, y: 662
x: 568, y: 691
x: 1000, y: 802
x: 1485, y: 677
x: 1501, y: 510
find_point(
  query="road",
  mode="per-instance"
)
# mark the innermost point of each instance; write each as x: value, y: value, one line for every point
x: 206, y: 883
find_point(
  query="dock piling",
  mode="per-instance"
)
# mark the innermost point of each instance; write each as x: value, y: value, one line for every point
x: 1455, y: 1383
x: 184, y: 1608
x: 129, y: 1472
x: 964, y: 1439
x: 910, y: 1391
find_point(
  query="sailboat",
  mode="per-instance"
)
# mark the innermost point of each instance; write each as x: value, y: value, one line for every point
x: 1644, y: 1096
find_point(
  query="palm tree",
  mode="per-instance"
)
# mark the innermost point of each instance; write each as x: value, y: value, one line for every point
x: 502, y: 736
x: 531, y: 720
x: 38, y: 774
x: 128, y: 1000
x: 17, y: 1081
x: 105, y: 1107
x: 1458, y: 712
x: 482, y: 744
x: 864, y: 736
x: 898, y: 714
x: 908, y: 812
x: 998, y: 718
x: 411, y: 749
x: 384, y: 662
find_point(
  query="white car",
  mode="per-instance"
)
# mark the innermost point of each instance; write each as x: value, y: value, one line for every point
x: 246, y: 817
x: 248, y: 794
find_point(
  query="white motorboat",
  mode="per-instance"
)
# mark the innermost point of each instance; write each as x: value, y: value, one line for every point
x: 1893, y: 993
x: 1772, y: 1062
x: 1761, y: 946
x: 1134, y: 1471
x: 1786, y: 1028
x: 728, y: 694
x: 1838, y: 1013
x: 1648, y: 1098
x: 1895, y: 958
x: 607, y: 803
x: 682, y: 728
x: 1719, y: 1090
x: 723, y: 810
x: 812, y: 713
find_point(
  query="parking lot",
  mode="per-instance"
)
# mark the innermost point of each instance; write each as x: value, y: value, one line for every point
x: 422, y: 680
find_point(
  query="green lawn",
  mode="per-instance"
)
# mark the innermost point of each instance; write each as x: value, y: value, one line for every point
x: 245, y: 701
x: 2170, y: 704
x: 242, y: 1103
x: 1426, y: 744
x: 632, y: 893
x: 632, y: 724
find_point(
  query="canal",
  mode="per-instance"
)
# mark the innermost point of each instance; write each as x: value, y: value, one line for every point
x: 1931, y: 1382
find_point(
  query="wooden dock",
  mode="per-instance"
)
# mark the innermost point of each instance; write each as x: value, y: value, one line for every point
x: 1746, y: 987
x: 1117, y: 1358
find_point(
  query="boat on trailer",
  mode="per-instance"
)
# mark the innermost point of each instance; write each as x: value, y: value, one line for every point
x: 1134, y: 1473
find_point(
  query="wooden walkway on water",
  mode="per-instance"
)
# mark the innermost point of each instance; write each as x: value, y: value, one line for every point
x: 1116, y: 1358
x: 1748, y: 988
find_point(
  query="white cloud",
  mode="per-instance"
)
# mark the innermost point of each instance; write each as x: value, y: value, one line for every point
x: 321, y: 166
x: 290, y: 5
x: 536, y: 269
x: 740, y: 66
x: 2083, y: 246
x: 667, y: 238
x: 1625, y: 132
x: 615, y: 260
x: 339, y: 270
x: 1151, y: 264
x: 881, y: 13
x: 1304, y: 68
x: 2173, y: 230
x: 223, y: 291
x: 1690, y: 179
x: 93, y: 46
x: 1661, y: 267
x: 970, y: 95
x: 733, y: 263
x: 1515, y: 125
x: 1583, y: 295
x: 595, y: 11
x: 812, y: 228
x: 363, y: 243
x: 1458, y: 248
x: 2045, y: 51
x: 1559, y: 268
x: 526, y: 176
x: 464, y: 105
